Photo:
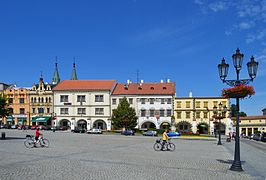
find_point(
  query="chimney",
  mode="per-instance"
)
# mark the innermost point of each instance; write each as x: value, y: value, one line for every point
x: 190, y: 94
x: 128, y: 81
x: 168, y: 80
x: 161, y: 81
x: 141, y: 81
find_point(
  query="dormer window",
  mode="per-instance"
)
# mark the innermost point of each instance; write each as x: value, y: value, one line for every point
x: 152, y: 88
x: 164, y: 87
x: 140, y: 88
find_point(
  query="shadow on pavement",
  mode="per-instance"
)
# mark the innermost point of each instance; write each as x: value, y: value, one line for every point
x: 227, y: 161
x: 12, y: 138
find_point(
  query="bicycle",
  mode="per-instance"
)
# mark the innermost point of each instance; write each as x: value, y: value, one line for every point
x: 158, y: 146
x: 30, y: 142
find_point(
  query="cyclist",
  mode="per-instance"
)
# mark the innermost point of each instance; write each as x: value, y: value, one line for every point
x: 37, y: 134
x: 165, y: 138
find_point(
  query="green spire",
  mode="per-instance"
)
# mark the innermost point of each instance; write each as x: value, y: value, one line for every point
x: 56, y: 78
x: 74, y: 74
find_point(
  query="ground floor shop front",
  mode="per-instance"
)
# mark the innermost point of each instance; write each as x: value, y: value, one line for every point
x: 82, y: 123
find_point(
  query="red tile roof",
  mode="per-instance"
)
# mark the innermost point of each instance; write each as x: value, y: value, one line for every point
x: 250, y: 118
x: 145, y: 88
x: 85, y: 85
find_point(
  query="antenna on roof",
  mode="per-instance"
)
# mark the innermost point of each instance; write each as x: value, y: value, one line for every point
x: 137, y: 76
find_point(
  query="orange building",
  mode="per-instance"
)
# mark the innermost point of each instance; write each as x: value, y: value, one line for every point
x: 18, y: 100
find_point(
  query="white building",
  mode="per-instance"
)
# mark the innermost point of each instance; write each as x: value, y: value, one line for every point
x: 83, y: 104
x: 153, y: 102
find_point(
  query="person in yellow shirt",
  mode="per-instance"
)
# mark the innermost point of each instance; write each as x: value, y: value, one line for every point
x: 165, y: 138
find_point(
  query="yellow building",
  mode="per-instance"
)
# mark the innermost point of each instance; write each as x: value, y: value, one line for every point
x: 195, y: 114
x: 18, y: 100
x: 252, y: 124
x: 41, y: 101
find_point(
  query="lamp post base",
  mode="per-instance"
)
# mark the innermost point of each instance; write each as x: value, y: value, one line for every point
x: 236, y: 166
x: 219, y: 143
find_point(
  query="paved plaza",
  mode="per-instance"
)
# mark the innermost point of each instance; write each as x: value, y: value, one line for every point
x: 85, y: 156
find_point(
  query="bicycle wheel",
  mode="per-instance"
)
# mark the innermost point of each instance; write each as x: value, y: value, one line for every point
x: 157, y: 146
x: 171, y: 146
x: 29, y: 143
x: 45, y: 143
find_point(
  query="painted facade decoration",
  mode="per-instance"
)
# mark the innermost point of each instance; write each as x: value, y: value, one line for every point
x: 153, y: 102
x: 195, y: 114
x: 251, y: 124
x: 19, y: 102
x: 83, y: 104
x: 41, y: 103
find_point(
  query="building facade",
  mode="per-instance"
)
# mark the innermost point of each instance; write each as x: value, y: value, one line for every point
x: 83, y: 104
x: 153, y: 102
x: 41, y: 101
x: 264, y: 112
x: 18, y: 100
x: 251, y: 124
x: 3, y: 86
x: 195, y: 114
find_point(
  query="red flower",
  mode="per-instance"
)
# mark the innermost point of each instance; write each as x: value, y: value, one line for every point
x: 240, y: 91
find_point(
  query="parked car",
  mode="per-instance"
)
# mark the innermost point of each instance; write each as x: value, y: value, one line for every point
x: 150, y: 133
x: 94, y: 131
x: 7, y: 126
x: 42, y: 127
x: 263, y: 137
x: 27, y: 127
x: 78, y: 130
x: 63, y: 128
x: 128, y: 132
x: 21, y: 127
x: 33, y: 127
x: 173, y: 134
x: 251, y: 136
x: 257, y: 137
x: 14, y: 127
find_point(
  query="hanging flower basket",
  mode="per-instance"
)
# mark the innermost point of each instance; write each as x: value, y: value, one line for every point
x: 241, y: 91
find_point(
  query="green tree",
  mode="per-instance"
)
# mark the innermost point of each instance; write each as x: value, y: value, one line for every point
x: 4, y: 110
x: 233, y: 111
x: 124, y: 116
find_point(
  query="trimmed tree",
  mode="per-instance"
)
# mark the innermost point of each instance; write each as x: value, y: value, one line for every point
x: 4, y: 110
x: 233, y: 111
x: 124, y: 116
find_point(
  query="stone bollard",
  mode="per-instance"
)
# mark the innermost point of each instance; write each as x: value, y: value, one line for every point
x: 3, y: 135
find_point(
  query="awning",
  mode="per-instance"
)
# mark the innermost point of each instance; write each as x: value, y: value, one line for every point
x: 40, y: 119
x: 165, y: 124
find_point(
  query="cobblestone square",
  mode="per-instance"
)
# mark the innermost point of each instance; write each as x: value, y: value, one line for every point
x: 86, y: 156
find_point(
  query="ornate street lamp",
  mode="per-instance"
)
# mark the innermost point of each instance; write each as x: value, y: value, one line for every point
x: 223, y: 71
x: 219, y: 114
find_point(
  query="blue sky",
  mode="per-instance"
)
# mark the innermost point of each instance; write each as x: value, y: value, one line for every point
x: 182, y: 40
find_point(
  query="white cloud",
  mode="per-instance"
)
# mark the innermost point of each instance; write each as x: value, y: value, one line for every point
x: 218, y: 6
x: 246, y: 25
x: 258, y: 36
x: 228, y: 33
x: 200, y: 2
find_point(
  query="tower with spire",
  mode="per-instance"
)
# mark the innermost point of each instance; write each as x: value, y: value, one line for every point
x: 74, y: 73
x: 56, y: 78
